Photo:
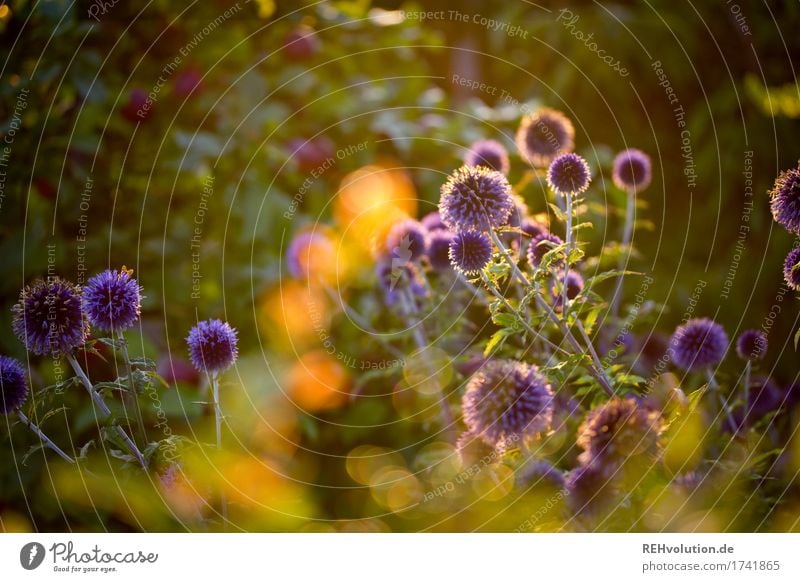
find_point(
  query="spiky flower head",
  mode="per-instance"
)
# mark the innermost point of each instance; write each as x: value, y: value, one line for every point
x: 489, y: 153
x: 540, y: 246
x: 438, y: 249
x: 13, y: 385
x: 506, y: 401
x: 618, y: 430
x: 212, y: 346
x: 433, y: 221
x: 540, y: 473
x: 752, y: 345
x: 406, y: 240
x: 112, y: 300
x: 699, y: 343
x: 632, y: 170
x: 791, y: 269
x: 569, y: 174
x: 591, y: 487
x: 311, y: 254
x: 785, y: 200
x: 543, y: 136
x: 396, y: 277
x: 49, y: 318
x: 532, y: 228
x: 475, y: 198
x: 471, y: 252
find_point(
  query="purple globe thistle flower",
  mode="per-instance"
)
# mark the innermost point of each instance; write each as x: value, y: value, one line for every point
x: 433, y: 221
x: 764, y: 397
x: 49, y: 318
x: 569, y: 174
x: 212, y: 346
x: 13, y: 385
x: 406, y: 240
x: 699, y: 343
x: 752, y: 345
x: 489, y: 153
x: 532, y: 228
x: 475, y: 198
x: 471, y: 252
x: 632, y: 170
x: 574, y: 283
x: 540, y: 246
x: 543, y: 136
x: 507, y: 400
x: 618, y: 430
x: 438, y: 249
x: 791, y: 269
x: 591, y: 487
x: 396, y: 276
x: 112, y: 300
x: 785, y: 200
x: 538, y: 474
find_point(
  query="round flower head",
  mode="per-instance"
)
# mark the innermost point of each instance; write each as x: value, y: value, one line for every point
x: 618, y: 430
x: 396, y: 276
x: 471, y: 252
x: 543, y: 136
x: 752, y: 345
x: 433, y: 221
x: 591, y: 488
x: 438, y: 249
x: 507, y: 400
x: 49, y: 319
x: 540, y: 474
x: 632, y: 170
x: 574, y: 284
x: 212, y: 346
x: 785, y: 200
x: 112, y: 300
x: 791, y: 269
x: 311, y: 253
x: 406, y: 240
x: 475, y: 198
x: 699, y: 343
x: 532, y: 228
x: 569, y: 173
x: 13, y: 385
x: 489, y: 153
x: 540, y: 246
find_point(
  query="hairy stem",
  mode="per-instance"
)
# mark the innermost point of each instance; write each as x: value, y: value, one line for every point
x: 496, y: 292
x: 48, y: 443
x: 627, y: 235
x: 596, y: 368
x: 218, y: 430
x: 132, y: 399
x: 105, y: 411
x: 570, y: 244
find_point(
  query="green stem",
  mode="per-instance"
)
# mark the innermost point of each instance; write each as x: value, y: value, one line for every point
x: 570, y: 243
x: 596, y: 368
x: 132, y: 398
x: 48, y: 443
x: 422, y: 344
x: 218, y: 430
x: 496, y: 292
x: 105, y: 411
x: 627, y: 235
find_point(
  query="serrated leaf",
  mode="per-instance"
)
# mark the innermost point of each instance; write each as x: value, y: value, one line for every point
x: 592, y: 281
x: 146, y: 363
x: 560, y: 215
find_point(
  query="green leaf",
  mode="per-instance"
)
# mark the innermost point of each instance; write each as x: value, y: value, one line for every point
x: 498, y: 339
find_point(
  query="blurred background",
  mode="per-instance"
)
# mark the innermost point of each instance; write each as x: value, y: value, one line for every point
x: 193, y: 141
